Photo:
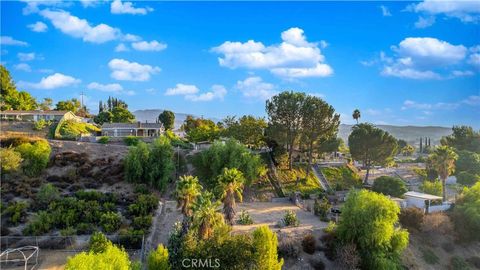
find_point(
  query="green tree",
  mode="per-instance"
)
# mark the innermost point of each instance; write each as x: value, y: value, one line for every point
x: 443, y: 161
x: 206, y: 215
x: 463, y: 138
x: 407, y: 150
x: 467, y: 213
x: 319, y: 123
x: 122, y: 115
x: 158, y: 259
x: 356, y: 115
x: 187, y: 190
x: 161, y: 165
x: 249, y: 130
x: 231, y: 187
x: 135, y: 163
x: 10, y: 98
x: 72, y: 105
x: 285, y: 115
x: 103, y: 117
x: 265, y: 244
x: 368, y: 221
x: 46, y: 104
x: 432, y: 187
x: 388, y: 185
x: 10, y: 160
x: 167, y: 118
x: 112, y: 258
x: 47, y: 194
x: 199, y: 129
x: 35, y: 156
x: 371, y: 145
x: 467, y: 162
x: 98, y: 242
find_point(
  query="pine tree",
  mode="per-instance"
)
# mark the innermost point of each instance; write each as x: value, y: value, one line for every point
x: 421, y: 148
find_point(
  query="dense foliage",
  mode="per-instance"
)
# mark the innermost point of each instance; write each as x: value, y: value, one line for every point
x: 167, y: 118
x: 463, y: 138
x: 432, y: 187
x: 35, y: 156
x: 388, y: 185
x: 442, y: 161
x: 341, y: 178
x: 467, y: 213
x: 200, y: 130
x: 368, y: 221
x: 467, y: 162
x: 231, y: 154
x: 247, y: 130
x: 10, y: 97
x: 158, y: 259
x: 10, y: 160
x: 70, y: 129
x: 265, y: 244
x: 113, y: 111
x: 72, y: 105
x: 112, y: 257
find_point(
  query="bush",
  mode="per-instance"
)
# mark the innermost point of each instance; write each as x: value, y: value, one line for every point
x: 40, y: 124
x: 71, y: 130
x: 84, y: 228
x: 141, y: 188
x: 317, y: 264
x: 342, y: 178
x: 35, y: 157
x: 244, y: 218
x: 331, y: 227
x: 42, y: 223
x: 16, y: 141
x: 433, y: 188
x: 142, y: 222
x: 449, y: 247
x: 265, y: 245
x: 110, y: 221
x: 308, y: 244
x: 437, y: 223
x: 330, y: 242
x: 429, y: 256
x: 158, y: 259
x: 288, y: 248
x: 290, y: 219
x: 69, y: 231
x: 468, y: 161
x: 98, y: 242
x: 467, y: 179
x: 388, y: 185
x: 10, y: 160
x: 466, y: 214
x: 457, y: 263
x: 16, y: 212
x: 112, y: 258
x: 131, y: 239
x: 321, y: 208
x: 104, y: 139
x: 347, y: 256
x: 46, y: 194
x: 411, y: 218
x: 131, y: 140
x: 144, y: 205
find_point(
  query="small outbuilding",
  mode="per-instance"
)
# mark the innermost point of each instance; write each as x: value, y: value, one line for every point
x: 428, y: 202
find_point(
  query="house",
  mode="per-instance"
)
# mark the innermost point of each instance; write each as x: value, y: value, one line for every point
x: 34, y: 116
x: 132, y: 129
x: 429, y: 203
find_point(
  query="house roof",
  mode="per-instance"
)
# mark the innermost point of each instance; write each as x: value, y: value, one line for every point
x: 422, y: 195
x: 36, y: 112
x: 131, y: 125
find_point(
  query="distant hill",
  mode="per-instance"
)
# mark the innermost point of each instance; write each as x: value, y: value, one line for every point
x: 411, y: 134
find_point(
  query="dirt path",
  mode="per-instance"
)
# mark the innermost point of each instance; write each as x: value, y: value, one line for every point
x: 170, y: 214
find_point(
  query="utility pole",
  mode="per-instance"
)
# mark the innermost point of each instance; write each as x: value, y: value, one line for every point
x: 81, y: 100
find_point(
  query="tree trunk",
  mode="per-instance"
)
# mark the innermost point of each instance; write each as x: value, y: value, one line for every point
x: 290, y: 154
x: 365, y: 182
x: 310, y: 154
x: 444, y: 189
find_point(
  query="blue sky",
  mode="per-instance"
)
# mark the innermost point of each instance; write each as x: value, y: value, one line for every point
x: 401, y: 63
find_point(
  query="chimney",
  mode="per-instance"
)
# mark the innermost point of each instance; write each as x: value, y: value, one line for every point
x: 139, y: 124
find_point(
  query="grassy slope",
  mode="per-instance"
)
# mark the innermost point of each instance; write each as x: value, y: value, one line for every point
x: 341, y: 178
x: 306, y: 184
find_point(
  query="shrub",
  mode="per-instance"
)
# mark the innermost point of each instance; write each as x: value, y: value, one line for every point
x: 141, y: 188
x: 244, y: 218
x: 308, y: 244
x: 288, y: 248
x: 69, y: 231
x: 104, y: 139
x: 10, y: 160
x: 265, y: 245
x: 131, y: 239
x: 46, y: 194
x: 331, y: 227
x: 388, y: 185
x: 467, y: 179
x: 16, y: 212
x: 429, y: 256
x: 112, y: 258
x: 92, y: 195
x: 16, y: 141
x: 110, y: 221
x: 317, y: 264
x: 35, y: 157
x: 40, y: 124
x: 468, y: 161
x: 433, y: 188
x: 131, y: 140
x: 466, y: 214
x: 290, y: 219
x: 448, y: 247
x: 41, y: 224
x: 457, y: 263
x: 437, y: 223
x: 411, y: 218
x: 70, y: 129
x: 84, y: 228
x: 98, y: 242
x: 158, y: 259
x: 321, y: 208
x: 160, y: 164
x: 135, y: 163
x: 347, y: 256
x: 142, y: 222
x: 144, y: 205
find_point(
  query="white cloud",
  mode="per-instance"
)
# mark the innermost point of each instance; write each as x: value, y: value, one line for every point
x: 56, y: 80
x: 182, y: 89
x: 131, y: 38
x: 23, y: 67
x: 121, y: 48
x: 80, y: 28
x: 294, y: 57
x: 131, y: 71
x: 216, y: 92
x: 385, y: 11
x: 462, y: 73
x: 409, y: 104
x: 466, y: 11
x: 424, y: 58
x: 474, y: 59
x: 255, y: 87
x: 38, y: 27
x: 26, y: 56
x: 117, y: 7
x: 34, y: 6
x: 112, y: 87
x: 472, y: 100
x: 45, y: 70
x: 424, y: 22
x: 149, y: 46
x: 6, y: 40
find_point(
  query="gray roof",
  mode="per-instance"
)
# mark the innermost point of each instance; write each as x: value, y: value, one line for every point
x: 131, y: 125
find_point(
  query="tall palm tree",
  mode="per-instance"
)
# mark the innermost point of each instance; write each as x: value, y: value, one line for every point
x: 206, y: 215
x: 443, y: 161
x: 187, y: 190
x: 231, y: 187
x: 356, y: 115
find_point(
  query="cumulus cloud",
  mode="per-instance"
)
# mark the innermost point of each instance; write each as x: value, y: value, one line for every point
x: 117, y: 7
x: 426, y: 107
x: 6, y: 40
x: 474, y: 59
x: 149, y: 46
x: 255, y: 87
x: 472, y: 100
x: 385, y: 11
x: 80, y: 28
x: 121, y: 48
x: 465, y: 11
x: 182, y: 89
x: 38, y: 27
x: 424, y: 58
x: 56, y: 80
x: 294, y: 57
x: 112, y: 87
x: 191, y: 92
x: 23, y: 67
x: 124, y: 70
x: 424, y: 22
x: 27, y: 56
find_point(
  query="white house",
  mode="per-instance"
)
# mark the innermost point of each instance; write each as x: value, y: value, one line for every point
x: 37, y: 115
x: 429, y: 203
x: 132, y: 129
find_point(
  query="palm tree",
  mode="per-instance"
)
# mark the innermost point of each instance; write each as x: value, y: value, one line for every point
x: 356, y: 114
x: 187, y: 190
x: 231, y: 186
x: 443, y: 161
x: 206, y: 215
